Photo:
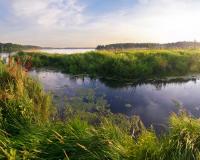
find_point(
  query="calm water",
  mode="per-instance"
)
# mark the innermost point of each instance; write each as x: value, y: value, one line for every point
x: 4, y: 56
x: 66, y: 51
x: 153, y: 101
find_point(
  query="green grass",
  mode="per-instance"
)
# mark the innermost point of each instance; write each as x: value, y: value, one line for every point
x: 30, y: 129
x: 122, y: 65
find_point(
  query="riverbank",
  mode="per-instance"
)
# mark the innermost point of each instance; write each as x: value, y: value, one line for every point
x: 122, y: 65
x: 30, y: 128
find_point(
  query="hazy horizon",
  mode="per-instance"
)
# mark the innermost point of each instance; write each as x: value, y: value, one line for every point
x: 88, y: 23
x: 79, y: 47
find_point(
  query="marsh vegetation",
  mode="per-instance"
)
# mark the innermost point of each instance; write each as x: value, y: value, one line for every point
x: 30, y: 126
x: 122, y: 65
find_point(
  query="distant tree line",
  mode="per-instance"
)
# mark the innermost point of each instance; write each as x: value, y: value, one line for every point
x: 181, y: 45
x: 10, y: 47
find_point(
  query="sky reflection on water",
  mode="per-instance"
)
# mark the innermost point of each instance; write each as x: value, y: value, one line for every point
x: 153, y: 101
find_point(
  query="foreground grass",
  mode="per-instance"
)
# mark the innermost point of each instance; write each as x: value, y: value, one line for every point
x: 30, y: 129
x: 124, y: 65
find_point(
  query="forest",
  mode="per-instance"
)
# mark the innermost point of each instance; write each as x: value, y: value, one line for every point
x: 176, y: 45
x: 10, y: 47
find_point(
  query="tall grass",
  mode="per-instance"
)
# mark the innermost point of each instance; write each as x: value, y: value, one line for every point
x: 28, y: 131
x: 124, y: 65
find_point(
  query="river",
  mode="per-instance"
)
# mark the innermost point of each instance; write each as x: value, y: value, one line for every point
x: 153, y: 101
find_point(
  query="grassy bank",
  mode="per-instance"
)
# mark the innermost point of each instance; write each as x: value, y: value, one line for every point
x: 30, y: 129
x: 125, y: 65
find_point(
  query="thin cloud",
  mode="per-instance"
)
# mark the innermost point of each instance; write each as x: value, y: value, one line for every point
x: 49, y: 13
x: 70, y: 23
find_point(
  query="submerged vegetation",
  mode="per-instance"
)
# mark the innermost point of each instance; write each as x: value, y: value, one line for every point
x: 31, y: 129
x: 122, y: 65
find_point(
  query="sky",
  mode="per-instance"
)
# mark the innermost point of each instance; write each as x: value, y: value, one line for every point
x: 88, y: 23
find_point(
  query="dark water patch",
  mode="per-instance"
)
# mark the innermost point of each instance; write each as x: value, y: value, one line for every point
x: 153, y: 101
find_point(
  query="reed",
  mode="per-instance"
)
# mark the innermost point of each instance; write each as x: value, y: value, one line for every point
x: 28, y: 131
x: 122, y: 65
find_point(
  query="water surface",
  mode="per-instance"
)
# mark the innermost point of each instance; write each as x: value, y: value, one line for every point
x: 153, y: 101
x: 67, y: 50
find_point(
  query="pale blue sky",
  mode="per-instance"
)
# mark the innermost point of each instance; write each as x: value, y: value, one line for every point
x: 87, y: 23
